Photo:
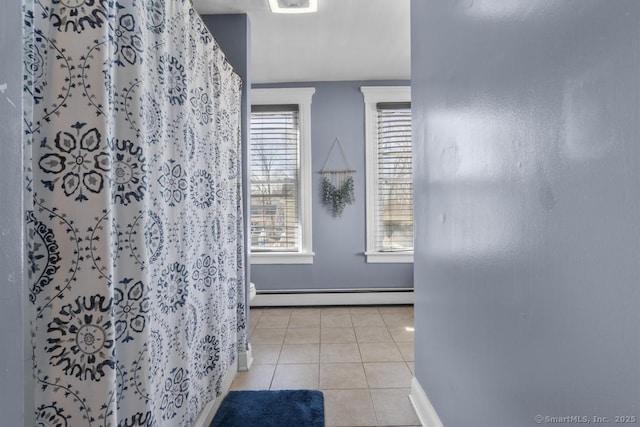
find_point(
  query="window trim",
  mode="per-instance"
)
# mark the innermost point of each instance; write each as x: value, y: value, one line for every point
x: 372, y: 96
x: 302, y: 97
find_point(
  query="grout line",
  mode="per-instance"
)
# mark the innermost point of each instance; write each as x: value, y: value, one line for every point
x: 273, y: 376
x: 259, y: 314
x: 373, y: 405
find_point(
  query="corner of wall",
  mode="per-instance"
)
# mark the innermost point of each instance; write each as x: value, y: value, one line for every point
x: 245, y: 359
x: 423, y: 407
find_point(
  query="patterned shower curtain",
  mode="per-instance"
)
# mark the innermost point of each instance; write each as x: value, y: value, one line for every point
x: 134, y: 212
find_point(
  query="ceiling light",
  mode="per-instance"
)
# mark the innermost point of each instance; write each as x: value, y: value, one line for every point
x: 293, y: 6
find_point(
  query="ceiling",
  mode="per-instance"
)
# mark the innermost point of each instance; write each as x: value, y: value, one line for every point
x: 344, y: 40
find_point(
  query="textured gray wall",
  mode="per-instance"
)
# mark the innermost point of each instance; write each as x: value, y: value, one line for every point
x: 337, y: 110
x: 527, y: 267
x: 12, y: 328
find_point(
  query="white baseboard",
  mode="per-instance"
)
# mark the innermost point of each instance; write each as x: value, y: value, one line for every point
x: 245, y: 359
x: 210, y: 409
x: 423, y: 407
x: 299, y: 298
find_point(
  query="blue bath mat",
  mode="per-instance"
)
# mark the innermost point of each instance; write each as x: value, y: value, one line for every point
x: 271, y: 408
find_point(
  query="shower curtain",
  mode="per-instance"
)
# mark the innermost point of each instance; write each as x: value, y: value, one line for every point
x: 134, y: 212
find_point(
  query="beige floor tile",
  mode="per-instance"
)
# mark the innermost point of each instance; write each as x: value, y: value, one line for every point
x: 367, y: 319
x: 279, y: 311
x: 251, y: 330
x: 393, y: 407
x: 334, y: 310
x: 301, y: 376
x: 397, y: 319
x: 342, y: 376
x: 273, y: 321
x: 313, y: 311
x: 348, y: 408
x: 264, y: 354
x: 336, y: 320
x: 396, y: 309
x: 304, y: 320
x: 364, y: 309
x: 267, y: 336
x: 302, y: 336
x: 373, y: 334
x: 337, y: 335
x: 388, y: 374
x: 380, y: 352
x: 257, y: 378
x: 339, y: 353
x: 411, y: 366
x: 255, y: 312
x: 253, y: 321
x: 406, y: 349
x: 365, y: 355
x: 299, y: 353
x: 401, y: 333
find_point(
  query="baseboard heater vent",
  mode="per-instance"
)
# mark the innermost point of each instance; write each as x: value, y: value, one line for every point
x: 320, y: 297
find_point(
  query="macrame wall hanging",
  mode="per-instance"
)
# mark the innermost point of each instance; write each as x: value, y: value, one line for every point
x: 337, y: 183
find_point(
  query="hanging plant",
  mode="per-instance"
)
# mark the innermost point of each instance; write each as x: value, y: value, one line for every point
x: 337, y: 184
x: 336, y: 197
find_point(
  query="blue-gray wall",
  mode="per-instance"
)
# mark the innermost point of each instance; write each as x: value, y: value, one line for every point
x: 527, y: 196
x: 337, y: 110
x: 12, y: 326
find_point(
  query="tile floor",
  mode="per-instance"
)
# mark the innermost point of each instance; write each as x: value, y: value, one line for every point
x: 360, y: 357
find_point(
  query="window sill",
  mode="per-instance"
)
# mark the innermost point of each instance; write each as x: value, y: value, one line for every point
x: 389, y: 257
x: 282, y: 258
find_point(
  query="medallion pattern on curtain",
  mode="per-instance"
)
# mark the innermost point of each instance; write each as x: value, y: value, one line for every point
x: 134, y: 212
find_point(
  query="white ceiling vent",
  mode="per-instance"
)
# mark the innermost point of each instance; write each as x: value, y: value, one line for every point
x: 293, y: 6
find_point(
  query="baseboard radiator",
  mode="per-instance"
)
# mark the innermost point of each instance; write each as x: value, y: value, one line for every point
x: 324, y: 297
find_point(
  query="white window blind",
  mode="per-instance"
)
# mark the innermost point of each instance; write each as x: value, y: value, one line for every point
x: 394, y: 204
x: 275, y: 174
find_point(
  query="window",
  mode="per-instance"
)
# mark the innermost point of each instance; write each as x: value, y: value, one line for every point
x: 389, y: 170
x: 281, y: 176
